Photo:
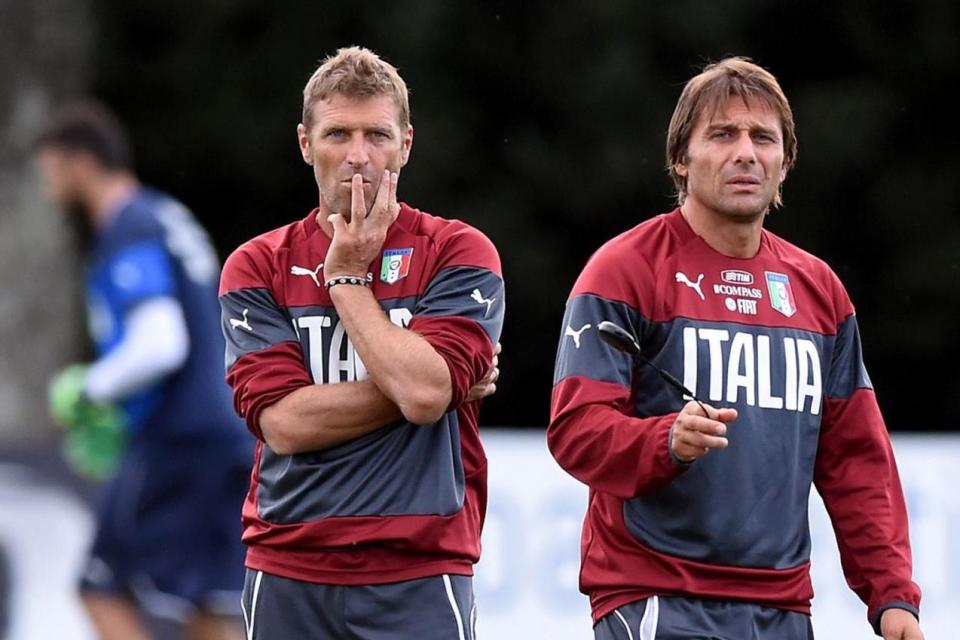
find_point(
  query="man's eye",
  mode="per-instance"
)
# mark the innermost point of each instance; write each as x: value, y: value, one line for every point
x: 336, y: 133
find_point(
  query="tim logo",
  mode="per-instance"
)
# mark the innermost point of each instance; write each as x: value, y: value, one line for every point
x: 736, y: 276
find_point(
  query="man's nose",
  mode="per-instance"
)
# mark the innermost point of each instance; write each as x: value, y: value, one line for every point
x: 745, y: 150
x: 357, y: 153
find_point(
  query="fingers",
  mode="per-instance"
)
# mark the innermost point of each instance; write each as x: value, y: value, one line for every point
x: 357, y: 241
x: 337, y: 221
x: 385, y: 208
x: 358, y: 206
x: 490, y: 386
x: 899, y: 624
x: 492, y: 375
x: 703, y: 433
x: 392, y: 204
x: 481, y: 390
x: 382, y: 198
x: 487, y: 386
x: 698, y: 429
x: 724, y: 414
x: 495, y: 363
x: 484, y: 391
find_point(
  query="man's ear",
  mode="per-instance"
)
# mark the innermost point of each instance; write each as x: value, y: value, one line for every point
x: 303, y: 139
x: 407, y: 145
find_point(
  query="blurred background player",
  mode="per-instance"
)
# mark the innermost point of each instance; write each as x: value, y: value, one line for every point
x: 697, y: 520
x: 358, y: 341
x: 151, y: 413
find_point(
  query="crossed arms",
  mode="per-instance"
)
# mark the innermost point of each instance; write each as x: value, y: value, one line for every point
x: 408, y: 377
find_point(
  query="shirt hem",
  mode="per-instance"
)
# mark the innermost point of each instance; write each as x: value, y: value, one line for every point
x: 382, y: 574
x: 603, y: 604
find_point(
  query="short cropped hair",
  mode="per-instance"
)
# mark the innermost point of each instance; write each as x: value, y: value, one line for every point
x: 89, y: 127
x: 355, y: 72
x: 708, y: 91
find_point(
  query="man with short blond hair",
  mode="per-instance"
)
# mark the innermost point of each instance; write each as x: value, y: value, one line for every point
x: 359, y: 73
x: 697, y: 520
x: 360, y: 340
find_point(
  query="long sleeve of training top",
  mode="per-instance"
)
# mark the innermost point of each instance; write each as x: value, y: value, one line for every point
x: 857, y: 477
x: 594, y: 434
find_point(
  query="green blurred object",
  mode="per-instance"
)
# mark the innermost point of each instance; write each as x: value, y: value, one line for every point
x: 95, y: 432
x: 65, y: 395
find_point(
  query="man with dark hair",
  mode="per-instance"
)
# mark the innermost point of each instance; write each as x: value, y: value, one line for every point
x: 151, y: 413
x: 697, y: 521
x: 359, y: 341
x: 92, y: 129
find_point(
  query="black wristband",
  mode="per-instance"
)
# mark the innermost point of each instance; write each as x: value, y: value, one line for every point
x: 355, y: 280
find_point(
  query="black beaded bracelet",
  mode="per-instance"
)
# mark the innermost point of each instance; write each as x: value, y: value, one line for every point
x: 356, y: 280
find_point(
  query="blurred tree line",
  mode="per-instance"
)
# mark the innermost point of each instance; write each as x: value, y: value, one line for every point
x: 43, y: 47
x: 543, y: 124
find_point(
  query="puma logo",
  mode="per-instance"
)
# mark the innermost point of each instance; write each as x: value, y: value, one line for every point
x: 234, y: 323
x: 303, y: 271
x: 576, y: 334
x: 479, y: 299
x: 683, y: 279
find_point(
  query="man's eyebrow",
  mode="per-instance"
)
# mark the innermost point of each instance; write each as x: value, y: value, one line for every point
x: 718, y: 125
x: 333, y: 126
x: 762, y: 128
x: 723, y: 125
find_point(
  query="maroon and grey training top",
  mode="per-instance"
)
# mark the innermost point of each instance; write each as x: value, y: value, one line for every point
x: 774, y: 336
x: 405, y: 501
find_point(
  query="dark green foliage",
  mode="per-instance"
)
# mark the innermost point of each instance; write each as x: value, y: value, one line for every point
x: 543, y: 124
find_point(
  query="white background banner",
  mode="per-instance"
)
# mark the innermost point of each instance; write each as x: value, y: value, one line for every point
x: 526, y: 583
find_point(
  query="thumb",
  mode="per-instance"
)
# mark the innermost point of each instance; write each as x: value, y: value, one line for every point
x: 726, y: 414
x: 337, y: 222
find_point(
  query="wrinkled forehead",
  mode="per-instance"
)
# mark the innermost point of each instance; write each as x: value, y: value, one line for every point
x: 722, y: 106
x: 343, y: 107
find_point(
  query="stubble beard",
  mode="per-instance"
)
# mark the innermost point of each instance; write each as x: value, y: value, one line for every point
x: 343, y: 204
x: 742, y: 212
x: 742, y: 209
x: 335, y: 204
